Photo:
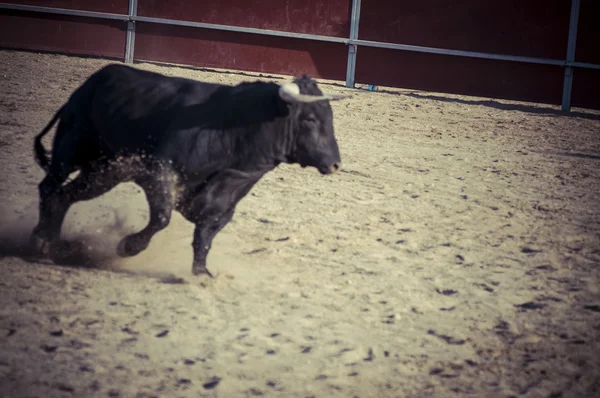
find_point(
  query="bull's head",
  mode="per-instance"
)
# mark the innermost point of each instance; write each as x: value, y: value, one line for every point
x: 314, y: 140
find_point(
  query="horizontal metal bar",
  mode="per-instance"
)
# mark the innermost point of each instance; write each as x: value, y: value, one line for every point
x: 459, y: 53
x: 266, y: 32
x: 583, y: 65
x: 241, y: 29
x: 365, y: 43
x: 64, y: 11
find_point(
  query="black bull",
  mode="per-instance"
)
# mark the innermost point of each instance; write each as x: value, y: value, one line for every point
x: 194, y: 147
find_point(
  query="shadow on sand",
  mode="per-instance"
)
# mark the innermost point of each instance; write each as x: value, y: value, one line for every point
x: 81, y: 250
x: 540, y: 109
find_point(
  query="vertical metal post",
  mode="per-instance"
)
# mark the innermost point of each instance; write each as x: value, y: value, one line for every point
x: 130, y: 43
x: 354, y: 22
x: 568, y: 81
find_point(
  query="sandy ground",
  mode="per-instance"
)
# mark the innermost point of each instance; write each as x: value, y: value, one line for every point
x: 456, y: 254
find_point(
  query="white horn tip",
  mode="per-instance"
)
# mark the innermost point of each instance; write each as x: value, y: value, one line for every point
x: 290, y: 88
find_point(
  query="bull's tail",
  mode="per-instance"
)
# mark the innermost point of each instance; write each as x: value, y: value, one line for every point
x: 41, y: 155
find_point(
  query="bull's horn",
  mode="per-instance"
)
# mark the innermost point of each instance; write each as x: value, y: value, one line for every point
x: 290, y: 92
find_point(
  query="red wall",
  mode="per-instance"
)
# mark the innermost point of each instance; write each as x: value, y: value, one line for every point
x: 536, y: 28
x: 60, y: 33
x: 329, y: 18
x: 111, y: 6
x: 588, y: 32
x: 586, y: 88
x: 256, y: 53
x: 458, y: 75
x: 231, y: 50
x: 586, y: 82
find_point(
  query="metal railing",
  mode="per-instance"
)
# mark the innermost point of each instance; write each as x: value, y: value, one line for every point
x: 352, y: 41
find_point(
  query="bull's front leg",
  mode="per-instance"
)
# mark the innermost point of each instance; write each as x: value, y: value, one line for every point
x: 213, y: 207
x: 204, y: 233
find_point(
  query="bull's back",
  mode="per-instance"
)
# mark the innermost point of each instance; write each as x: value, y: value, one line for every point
x: 130, y: 109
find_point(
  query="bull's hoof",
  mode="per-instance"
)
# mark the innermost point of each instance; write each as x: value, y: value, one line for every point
x: 131, y: 245
x: 69, y: 253
x: 39, y: 246
x: 201, y: 271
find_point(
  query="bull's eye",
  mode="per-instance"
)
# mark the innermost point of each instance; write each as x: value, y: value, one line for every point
x: 309, y: 120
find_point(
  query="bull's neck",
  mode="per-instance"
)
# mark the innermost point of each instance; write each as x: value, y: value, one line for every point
x: 285, y: 138
x: 260, y: 147
x: 269, y: 144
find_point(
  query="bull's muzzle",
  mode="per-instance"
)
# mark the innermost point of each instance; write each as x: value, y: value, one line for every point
x: 332, y: 168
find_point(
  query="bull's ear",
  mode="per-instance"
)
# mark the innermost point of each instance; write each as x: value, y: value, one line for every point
x: 283, y: 108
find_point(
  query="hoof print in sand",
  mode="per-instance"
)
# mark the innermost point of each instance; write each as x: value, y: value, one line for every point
x: 255, y: 392
x: 141, y: 356
x: 530, y: 305
x: 212, y: 383
x: 162, y: 334
x: 448, y: 339
x: 64, y: 387
x: 48, y: 348
x: 370, y: 356
x: 485, y: 287
x: 184, y: 383
x: 529, y: 250
x: 173, y: 280
x: 594, y: 308
x: 447, y: 292
x: 129, y: 340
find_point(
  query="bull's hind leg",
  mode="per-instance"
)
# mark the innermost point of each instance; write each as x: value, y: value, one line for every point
x: 47, y: 228
x: 89, y: 184
x: 62, y: 164
x: 159, y: 190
